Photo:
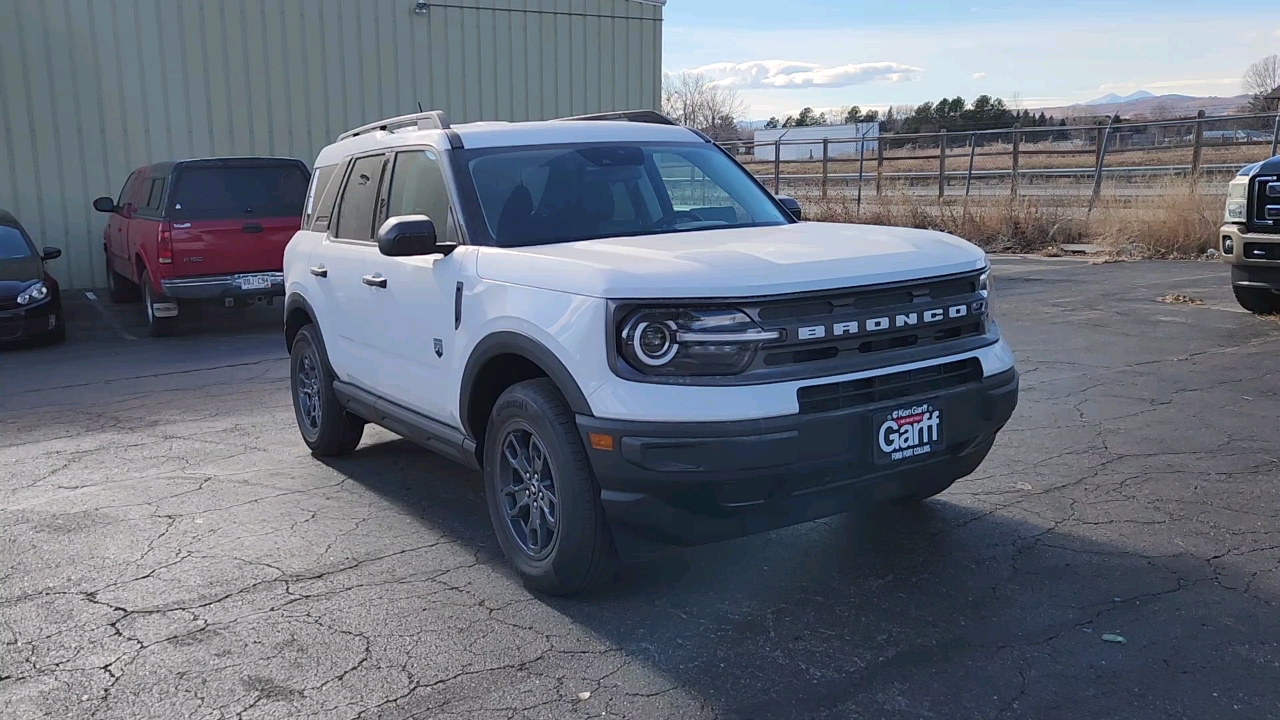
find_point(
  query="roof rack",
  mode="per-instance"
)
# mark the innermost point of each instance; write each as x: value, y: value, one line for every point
x: 430, y: 120
x: 653, y: 117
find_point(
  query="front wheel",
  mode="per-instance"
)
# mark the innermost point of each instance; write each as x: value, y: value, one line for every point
x: 1257, y: 300
x: 326, y: 427
x: 542, y: 495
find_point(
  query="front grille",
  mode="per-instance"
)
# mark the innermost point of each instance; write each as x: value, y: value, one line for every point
x: 9, y: 303
x: 884, y: 388
x: 1266, y: 205
x: 848, y: 326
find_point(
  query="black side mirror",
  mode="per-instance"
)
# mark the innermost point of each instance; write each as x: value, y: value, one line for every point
x: 791, y: 205
x: 411, y: 236
x: 104, y: 205
x: 51, y: 253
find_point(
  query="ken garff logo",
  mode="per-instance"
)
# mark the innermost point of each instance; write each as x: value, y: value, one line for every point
x: 439, y: 347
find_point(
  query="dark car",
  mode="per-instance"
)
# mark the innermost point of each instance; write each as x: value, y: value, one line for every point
x: 30, y: 301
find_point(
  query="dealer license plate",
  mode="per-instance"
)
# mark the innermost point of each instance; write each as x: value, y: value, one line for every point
x: 253, y: 282
x: 907, y: 432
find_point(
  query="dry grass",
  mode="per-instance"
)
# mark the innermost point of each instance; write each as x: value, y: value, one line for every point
x: 1174, y: 223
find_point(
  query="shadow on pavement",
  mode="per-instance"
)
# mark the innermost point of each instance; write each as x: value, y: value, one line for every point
x: 940, y: 611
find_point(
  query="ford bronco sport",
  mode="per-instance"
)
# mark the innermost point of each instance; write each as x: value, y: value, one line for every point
x: 636, y: 343
x: 1251, y: 236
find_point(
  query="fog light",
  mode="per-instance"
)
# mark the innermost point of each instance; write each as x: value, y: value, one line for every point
x: 53, y: 321
x: 1228, y: 246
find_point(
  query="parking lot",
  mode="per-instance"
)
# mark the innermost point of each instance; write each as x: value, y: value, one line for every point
x: 170, y: 550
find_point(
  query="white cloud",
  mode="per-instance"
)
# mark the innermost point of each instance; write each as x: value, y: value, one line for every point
x: 786, y: 74
x: 979, y: 76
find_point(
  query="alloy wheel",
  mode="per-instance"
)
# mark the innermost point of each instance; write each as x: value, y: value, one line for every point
x: 528, y: 492
x: 308, y: 391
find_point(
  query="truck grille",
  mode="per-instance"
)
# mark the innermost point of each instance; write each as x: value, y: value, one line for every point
x: 858, y: 329
x: 1266, y: 204
x: 884, y: 388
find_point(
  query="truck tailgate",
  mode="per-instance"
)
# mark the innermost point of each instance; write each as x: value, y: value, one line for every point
x: 227, y: 247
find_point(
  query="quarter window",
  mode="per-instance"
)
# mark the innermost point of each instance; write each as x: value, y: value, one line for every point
x: 359, y: 197
x: 154, y: 195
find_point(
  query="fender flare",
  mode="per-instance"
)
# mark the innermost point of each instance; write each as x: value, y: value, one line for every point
x: 296, y: 301
x: 508, y: 342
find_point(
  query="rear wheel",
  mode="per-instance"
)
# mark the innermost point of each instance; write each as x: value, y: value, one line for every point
x: 326, y: 427
x: 119, y: 289
x: 542, y: 495
x: 156, y: 326
x: 1257, y: 300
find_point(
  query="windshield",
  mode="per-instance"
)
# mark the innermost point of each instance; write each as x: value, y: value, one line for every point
x: 222, y: 193
x: 12, y: 244
x: 538, y: 195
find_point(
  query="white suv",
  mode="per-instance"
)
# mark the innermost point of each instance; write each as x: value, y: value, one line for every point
x: 637, y: 343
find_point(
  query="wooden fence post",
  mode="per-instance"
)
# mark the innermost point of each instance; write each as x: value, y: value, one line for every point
x: 879, y: 162
x: 942, y: 164
x: 826, y: 157
x: 1275, y: 136
x: 1104, y: 134
x: 777, y: 165
x: 1197, y: 149
x: 1017, y: 147
x: 973, y: 150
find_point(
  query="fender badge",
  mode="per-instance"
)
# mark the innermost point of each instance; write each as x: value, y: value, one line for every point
x: 439, y: 344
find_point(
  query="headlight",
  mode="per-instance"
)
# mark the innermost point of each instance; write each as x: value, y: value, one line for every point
x: 33, y: 294
x: 691, y: 341
x: 1237, y: 201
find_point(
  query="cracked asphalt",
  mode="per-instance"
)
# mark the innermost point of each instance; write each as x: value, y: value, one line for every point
x: 170, y: 550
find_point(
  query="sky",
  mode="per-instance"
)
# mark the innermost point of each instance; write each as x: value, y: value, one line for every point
x: 786, y: 55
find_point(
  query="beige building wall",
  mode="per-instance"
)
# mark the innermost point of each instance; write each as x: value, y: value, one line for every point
x: 90, y: 89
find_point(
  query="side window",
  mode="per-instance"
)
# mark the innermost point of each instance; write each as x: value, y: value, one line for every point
x: 128, y: 185
x: 327, y: 196
x: 418, y: 188
x: 359, y: 197
x: 153, y: 195
x: 319, y: 183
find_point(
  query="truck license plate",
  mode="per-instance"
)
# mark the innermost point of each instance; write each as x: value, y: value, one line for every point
x: 253, y: 282
x: 907, y: 432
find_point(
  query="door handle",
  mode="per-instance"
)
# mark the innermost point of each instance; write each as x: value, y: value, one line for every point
x: 375, y: 281
x: 320, y: 271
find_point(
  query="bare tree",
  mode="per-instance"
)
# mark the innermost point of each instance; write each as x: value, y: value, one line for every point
x: 692, y: 100
x: 1262, y: 77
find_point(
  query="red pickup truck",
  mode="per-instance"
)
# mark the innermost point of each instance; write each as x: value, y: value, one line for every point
x: 211, y: 230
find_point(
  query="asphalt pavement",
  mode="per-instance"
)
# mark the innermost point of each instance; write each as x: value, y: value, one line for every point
x: 168, y: 548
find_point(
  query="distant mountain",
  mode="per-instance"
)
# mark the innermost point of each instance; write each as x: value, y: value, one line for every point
x: 1143, y: 105
x: 1112, y: 98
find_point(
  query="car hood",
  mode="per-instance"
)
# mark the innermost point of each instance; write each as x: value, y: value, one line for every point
x: 733, y: 262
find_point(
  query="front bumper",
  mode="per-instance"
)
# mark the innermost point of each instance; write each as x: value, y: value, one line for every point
x: 33, y: 321
x: 695, y: 483
x: 221, y: 287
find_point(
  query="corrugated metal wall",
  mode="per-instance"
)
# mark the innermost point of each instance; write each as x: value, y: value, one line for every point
x: 90, y: 89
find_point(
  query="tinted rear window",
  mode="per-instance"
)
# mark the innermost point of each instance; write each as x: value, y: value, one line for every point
x: 212, y: 193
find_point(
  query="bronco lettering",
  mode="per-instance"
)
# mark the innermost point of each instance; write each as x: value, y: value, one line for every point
x: 876, y: 324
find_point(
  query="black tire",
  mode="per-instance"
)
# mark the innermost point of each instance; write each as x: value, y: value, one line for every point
x: 119, y: 289
x: 327, y: 429
x: 156, y: 326
x: 1257, y: 300
x: 578, y: 553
